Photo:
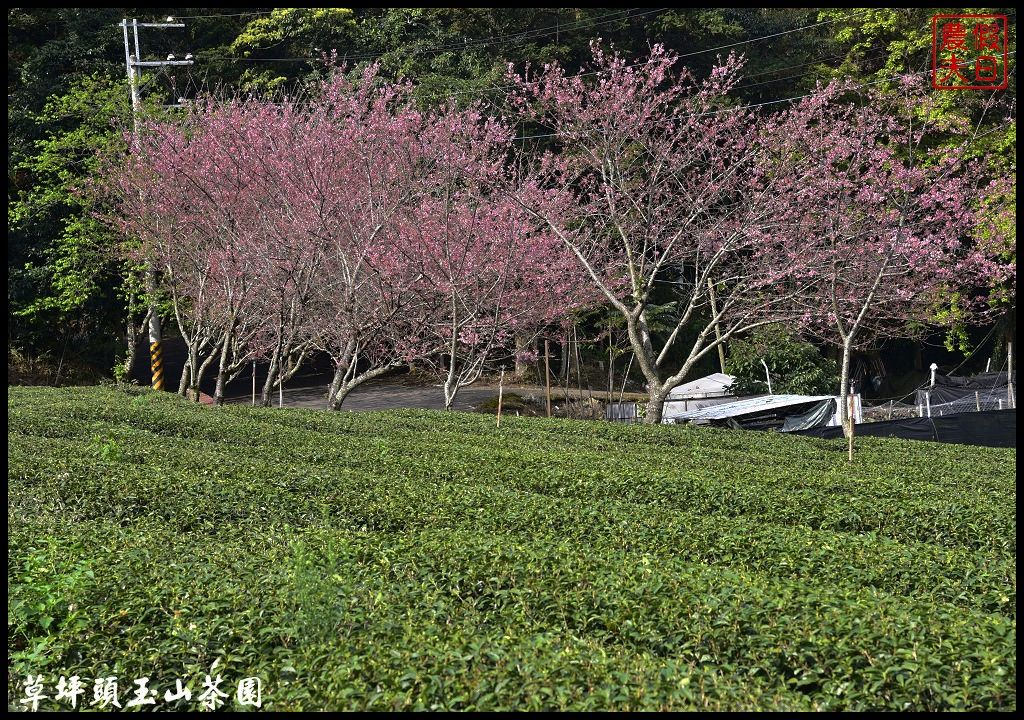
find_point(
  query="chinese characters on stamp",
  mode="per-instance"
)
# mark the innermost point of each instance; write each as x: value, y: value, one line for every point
x: 969, y: 52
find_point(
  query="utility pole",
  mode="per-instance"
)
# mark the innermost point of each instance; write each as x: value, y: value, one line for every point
x: 133, y: 63
x: 853, y: 424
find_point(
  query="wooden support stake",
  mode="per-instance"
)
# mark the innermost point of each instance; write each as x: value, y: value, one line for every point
x: 852, y: 424
x: 718, y: 331
x: 547, y: 373
x: 1009, y: 375
x: 501, y: 379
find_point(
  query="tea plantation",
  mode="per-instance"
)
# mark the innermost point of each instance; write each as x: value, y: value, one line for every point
x: 425, y: 560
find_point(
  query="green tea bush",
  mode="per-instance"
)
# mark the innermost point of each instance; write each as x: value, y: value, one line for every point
x: 423, y: 560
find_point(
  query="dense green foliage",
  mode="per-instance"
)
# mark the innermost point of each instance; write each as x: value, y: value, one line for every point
x: 427, y: 560
x: 796, y: 366
x: 67, y: 288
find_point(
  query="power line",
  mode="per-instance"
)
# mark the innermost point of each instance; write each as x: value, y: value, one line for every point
x: 196, y: 17
x: 95, y: 113
x: 760, y: 104
x: 789, y: 77
x: 647, y: 62
x: 976, y: 349
x: 809, y: 62
x: 617, y: 15
x: 499, y: 88
x: 553, y: 30
x: 773, y: 35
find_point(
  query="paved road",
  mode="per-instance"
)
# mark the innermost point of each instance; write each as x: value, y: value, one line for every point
x: 381, y: 396
x: 395, y: 393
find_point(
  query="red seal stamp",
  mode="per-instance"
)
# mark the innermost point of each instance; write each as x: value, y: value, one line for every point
x: 969, y: 52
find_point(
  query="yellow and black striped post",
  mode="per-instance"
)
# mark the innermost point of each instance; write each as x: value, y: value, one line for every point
x: 156, y: 359
x: 156, y: 352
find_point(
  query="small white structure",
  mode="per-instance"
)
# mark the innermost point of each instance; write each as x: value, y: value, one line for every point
x: 713, y: 389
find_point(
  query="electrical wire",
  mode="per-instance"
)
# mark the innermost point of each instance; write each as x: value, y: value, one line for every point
x: 976, y: 349
x: 197, y: 17
x: 554, y: 29
x: 756, y: 105
x: 619, y: 15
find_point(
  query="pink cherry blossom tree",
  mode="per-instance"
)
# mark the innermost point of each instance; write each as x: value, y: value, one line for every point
x: 171, y: 216
x: 273, y: 225
x: 653, y: 181
x: 489, y: 274
x: 369, y: 173
x: 884, y: 206
x: 219, y: 203
x: 234, y: 172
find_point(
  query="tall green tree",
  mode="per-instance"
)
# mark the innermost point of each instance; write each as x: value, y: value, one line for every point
x: 62, y: 281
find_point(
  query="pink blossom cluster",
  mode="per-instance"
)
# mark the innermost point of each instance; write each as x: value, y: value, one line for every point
x: 357, y: 225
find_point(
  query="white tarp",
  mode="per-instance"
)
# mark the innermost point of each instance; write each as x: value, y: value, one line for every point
x: 713, y: 389
x: 761, y: 403
x: 713, y: 385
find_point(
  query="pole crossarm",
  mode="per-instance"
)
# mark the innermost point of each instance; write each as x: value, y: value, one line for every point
x: 159, y: 63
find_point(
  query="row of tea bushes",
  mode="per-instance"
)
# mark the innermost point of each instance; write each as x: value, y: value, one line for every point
x: 418, y: 560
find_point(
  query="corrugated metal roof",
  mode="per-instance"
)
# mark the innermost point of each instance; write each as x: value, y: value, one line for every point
x: 748, y: 405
